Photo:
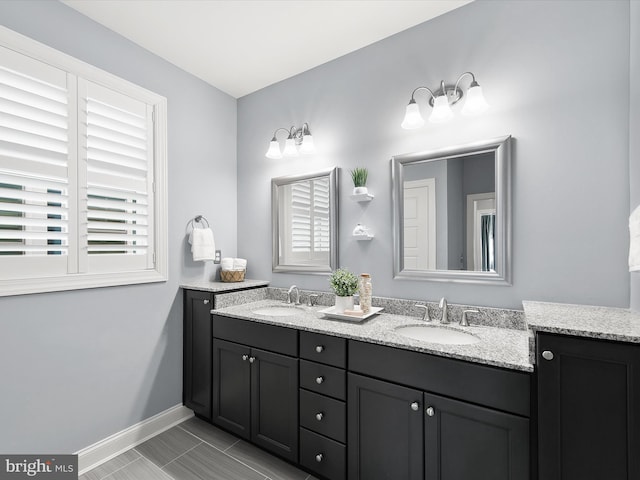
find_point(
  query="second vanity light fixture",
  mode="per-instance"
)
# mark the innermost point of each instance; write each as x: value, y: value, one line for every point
x: 297, y: 137
x: 441, y: 101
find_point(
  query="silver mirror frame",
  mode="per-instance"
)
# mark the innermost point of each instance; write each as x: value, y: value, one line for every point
x: 501, y: 147
x: 333, y: 223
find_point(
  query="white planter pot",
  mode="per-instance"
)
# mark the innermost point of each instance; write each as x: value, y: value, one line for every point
x: 343, y: 303
x: 360, y: 190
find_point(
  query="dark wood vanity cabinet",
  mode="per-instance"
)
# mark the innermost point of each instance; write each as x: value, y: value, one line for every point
x: 588, y: 409
x: 409, y: 432
x: 197, y: 344
x: 255, y: 383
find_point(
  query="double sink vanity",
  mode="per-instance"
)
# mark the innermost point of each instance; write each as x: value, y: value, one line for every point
x: 513, y: 396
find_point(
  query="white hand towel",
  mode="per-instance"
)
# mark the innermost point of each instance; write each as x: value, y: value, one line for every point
x: 226, y: 263
x: 239, y: 264
x: 203, y: 245
x: 634, y: 240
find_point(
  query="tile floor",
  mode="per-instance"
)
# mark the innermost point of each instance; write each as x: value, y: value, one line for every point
x: 195, y: 450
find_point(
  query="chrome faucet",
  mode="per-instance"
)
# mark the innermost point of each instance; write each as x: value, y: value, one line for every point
x: 426, y: 316
x: 443, y: 306
x: 293, y: 289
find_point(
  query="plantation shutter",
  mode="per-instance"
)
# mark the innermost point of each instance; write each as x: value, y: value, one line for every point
x: 310, y: 237
x: 34, y: 167
x: 118, y: 154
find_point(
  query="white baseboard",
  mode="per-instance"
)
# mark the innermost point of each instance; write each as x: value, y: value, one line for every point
x: 112, y: 446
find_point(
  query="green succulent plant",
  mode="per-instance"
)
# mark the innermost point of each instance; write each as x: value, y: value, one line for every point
x: 343, y: 282
x: 359, y: 176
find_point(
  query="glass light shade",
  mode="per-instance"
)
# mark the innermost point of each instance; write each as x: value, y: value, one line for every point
x: 307, y: 147
x: 412, y: 117
x: 274, y: 150
x: 441, y: 110
x: 475, y: 102
x: 290, y: 149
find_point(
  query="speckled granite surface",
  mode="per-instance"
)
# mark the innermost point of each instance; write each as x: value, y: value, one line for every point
x: 501, y: 347
x: 215, y: 287
x: 583, y: 320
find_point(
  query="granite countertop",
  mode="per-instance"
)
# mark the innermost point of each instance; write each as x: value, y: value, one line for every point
x: 206, y: 286
x: 500, y: 347
x: 606, y: 323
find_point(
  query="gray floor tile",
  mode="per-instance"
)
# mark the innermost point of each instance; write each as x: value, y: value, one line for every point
x: 167, y: 446
x: 271, y: 466
x: 140, y: 469
x: 208, y: 433
x: 207, y: 463
x: 107, y: 468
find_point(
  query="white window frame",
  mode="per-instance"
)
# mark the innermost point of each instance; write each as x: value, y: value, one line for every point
x: 73, y: 281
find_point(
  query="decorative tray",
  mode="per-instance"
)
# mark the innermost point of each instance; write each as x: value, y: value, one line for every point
x: 330, y: 313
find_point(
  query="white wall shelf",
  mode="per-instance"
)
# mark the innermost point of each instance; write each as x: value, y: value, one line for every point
x: 362, y: 197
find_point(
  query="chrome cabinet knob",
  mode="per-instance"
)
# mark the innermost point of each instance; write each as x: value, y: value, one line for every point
x: 252, y: 359
x: 547, y: 355
x: 205, y: 301
x: 319, y: 380
x: 245, y: 357
x: 415, y: 406
x: 430, y: 411
x: 319, y: 416
x: 319, y: 457
x: 319, y: 348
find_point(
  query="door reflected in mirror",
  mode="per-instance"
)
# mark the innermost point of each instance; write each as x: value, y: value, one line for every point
x: 304, y: 222
x: 451, y: 213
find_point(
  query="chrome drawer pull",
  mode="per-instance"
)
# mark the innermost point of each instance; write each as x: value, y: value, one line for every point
x: 415, y: 406
x: 245, y: 357
x: 430, y: 411
x: 319, y: 380
x: 319, y: 348
x: 319, y: 416
x: 547, y: 355
x: 252, y: 359
x: 206, y: 302
x: 319, y: 457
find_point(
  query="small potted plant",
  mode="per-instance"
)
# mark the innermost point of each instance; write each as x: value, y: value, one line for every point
x: 344, y: 285
x: 359, y: 177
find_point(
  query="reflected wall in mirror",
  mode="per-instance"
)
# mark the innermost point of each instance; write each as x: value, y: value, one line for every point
x: 451, y: 210
x: 304, y: 222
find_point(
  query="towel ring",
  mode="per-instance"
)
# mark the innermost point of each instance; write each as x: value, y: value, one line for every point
x: 198, y: 219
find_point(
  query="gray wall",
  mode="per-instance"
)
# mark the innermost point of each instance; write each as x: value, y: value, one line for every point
x: 634, y: 128
x: 79, y: 366
x: 557, y: 77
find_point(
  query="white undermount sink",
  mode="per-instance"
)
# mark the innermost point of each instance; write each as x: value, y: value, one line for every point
x: 437, y: 334
x: 278, y: 310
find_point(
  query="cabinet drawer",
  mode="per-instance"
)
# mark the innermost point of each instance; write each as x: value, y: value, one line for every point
x: 503, y: 389
x: 323, y: 415
x: 322, y: 455
x: 323, y: 379
x: 267, y: 337
x: 323, y: 349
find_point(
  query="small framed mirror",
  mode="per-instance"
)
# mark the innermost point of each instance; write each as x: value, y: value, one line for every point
x: 304, y: 222
x: 452, y: 213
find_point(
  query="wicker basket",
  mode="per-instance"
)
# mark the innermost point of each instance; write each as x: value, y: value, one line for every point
x: 229, y: 276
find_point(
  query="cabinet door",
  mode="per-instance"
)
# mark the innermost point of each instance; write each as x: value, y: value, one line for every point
x: 274, y: 403
x: 231, y: 387
x: 197, y: 340
x: 385, y: 428
x: 465, y: 441
x: 588, y: 409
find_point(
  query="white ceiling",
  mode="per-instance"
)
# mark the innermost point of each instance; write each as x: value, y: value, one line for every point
x: 241, y: 46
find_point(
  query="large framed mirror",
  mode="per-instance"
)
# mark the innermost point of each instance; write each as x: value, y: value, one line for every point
x: 452, y: 213
x: 304, y: 222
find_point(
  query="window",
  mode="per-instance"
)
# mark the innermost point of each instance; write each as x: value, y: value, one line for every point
x: 82, y: 174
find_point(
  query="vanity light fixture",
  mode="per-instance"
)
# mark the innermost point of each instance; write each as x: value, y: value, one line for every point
x: 441, y: 101
x: 299, y: 140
